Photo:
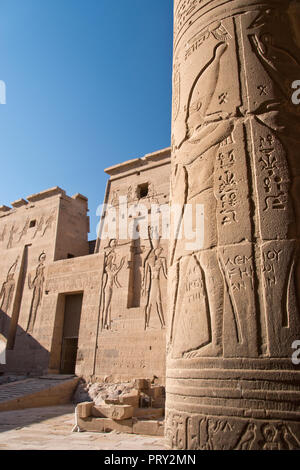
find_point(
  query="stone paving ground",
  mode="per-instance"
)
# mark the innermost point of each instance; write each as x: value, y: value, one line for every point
x: 51, y: 429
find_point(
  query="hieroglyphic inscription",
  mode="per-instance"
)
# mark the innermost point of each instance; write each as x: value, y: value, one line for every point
x: 228, y: 189
x: 235, y: 150
x: 226, y: 433
x: 276, y: 195
x: 176, y: 91
x: 176, y: 430
x: 217, y: 30
x: 184, y: 11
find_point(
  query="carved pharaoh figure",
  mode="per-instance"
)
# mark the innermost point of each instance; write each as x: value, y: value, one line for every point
x: 37, y: 284
x: 152, y: 193
x: 2, y: 234
x: 194, y: 167
x: 24, y: 230
x: 39, y: 226
x: 49, y: 222
x: 115, y: 198
x: 7, y: 292
x: 154, y: 265
x: 131, y: 194
x: 110, y: 279
x: 12, y: 233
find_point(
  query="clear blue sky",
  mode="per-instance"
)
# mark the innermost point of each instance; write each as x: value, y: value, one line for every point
x: 88, y: 86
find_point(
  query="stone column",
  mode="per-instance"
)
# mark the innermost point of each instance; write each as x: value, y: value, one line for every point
x: 234, y: 301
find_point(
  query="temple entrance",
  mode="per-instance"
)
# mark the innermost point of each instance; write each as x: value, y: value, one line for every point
x: 73, y: 304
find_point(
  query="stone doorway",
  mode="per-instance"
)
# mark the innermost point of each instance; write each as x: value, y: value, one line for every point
x: 68, y: 355
x: 70, y: 333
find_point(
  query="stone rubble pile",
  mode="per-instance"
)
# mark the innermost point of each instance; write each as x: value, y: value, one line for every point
x: 132, y: 407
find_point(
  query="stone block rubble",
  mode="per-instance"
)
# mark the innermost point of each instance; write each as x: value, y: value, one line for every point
x: 135, y: 407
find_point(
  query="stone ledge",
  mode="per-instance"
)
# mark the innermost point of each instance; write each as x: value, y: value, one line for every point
x: 45, y: 194
x: 128, y: 426
x: 19, y: 203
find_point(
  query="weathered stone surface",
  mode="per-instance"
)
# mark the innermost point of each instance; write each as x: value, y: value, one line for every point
x: 148, y: 413
x: 50, y: 429
x: 92, y: 424
x: 148, y: 427
x: 116, y: 412
x: 117, y: 285
x: 112, y: 401
x: 142, y: 384
x: 84, y: 410
x: 34, y: 393
x: 156, y: 392
x: 132, y: 398
x: 234, y: 306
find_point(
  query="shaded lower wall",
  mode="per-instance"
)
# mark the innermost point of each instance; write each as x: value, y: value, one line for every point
x: 28, y: 356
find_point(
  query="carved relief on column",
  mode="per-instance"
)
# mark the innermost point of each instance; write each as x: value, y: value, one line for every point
x: 274, y: 136
x: 234, y: 303
x: 223, y: 433
x: 210, y: 168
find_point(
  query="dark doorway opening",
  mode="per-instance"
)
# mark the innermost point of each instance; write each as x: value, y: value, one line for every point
x: 69, y: 346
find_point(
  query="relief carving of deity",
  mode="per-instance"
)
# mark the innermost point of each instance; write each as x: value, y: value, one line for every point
x: 109, y: 281
x: 37, y: 285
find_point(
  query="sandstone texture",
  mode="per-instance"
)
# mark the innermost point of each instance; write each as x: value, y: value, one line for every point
x: 51, y: 429
x: 141, y: 416
x: 234, y: 299
x: 97, y: 309
x: 213, y: 318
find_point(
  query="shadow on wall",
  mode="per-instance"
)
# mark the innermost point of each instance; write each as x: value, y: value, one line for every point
x: 24, y: 360
x: 23, y: 354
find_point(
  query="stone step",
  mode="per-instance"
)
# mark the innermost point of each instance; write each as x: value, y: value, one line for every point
x: 129, y: 426
x: 148, y: 413
x: 37, y: 392
x: 119, y: 418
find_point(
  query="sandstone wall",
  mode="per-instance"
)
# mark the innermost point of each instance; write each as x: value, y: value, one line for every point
x: 31, y: 235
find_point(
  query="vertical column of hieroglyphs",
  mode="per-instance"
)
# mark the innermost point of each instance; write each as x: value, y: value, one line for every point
x: 234, y: 302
